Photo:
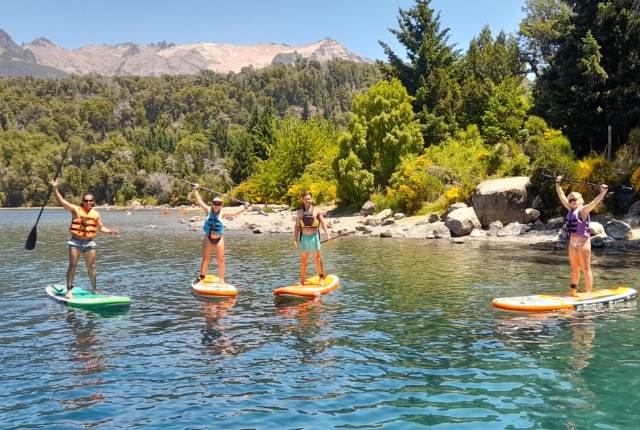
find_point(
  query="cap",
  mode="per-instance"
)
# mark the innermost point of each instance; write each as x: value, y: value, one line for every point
x: 217, y: 199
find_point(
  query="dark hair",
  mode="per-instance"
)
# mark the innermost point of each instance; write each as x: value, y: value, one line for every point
x: 306, y: 193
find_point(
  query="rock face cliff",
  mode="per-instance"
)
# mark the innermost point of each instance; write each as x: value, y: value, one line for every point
x: 166, y: 58
x: 16, y: 61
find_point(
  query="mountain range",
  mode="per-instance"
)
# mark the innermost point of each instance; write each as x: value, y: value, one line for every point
x: 43, y: 58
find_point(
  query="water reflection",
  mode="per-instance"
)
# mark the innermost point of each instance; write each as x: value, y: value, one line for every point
x: 213, y: 332
x: 85, y: 359
x: 304, y: 321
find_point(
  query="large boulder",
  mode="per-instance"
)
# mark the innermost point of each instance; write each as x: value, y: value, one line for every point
x: 453, y: 207
x: 595, y: 228
x: 503, y: 199
x: 618, y: 230
x: 368, y: 208
x: 494, y: 228
x: 514, y: 229
x: 531, y: 215
x: 634, y: 210
x: 461, y: 222
x: 384, y: 214
x: 438, y: 230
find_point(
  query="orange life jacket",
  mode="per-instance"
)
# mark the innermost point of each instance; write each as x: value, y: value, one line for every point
x: 85, y: 225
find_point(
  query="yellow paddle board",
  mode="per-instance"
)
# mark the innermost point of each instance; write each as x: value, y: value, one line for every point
x: 312, y: 287
x: 597, y: 299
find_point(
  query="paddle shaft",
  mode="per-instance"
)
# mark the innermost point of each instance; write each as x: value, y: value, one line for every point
x: 623, y: 188
x: 335, y: 237
x: 215, y: 192
x: 31, y: 240
x: 223, y: 195
x: 571, y: 180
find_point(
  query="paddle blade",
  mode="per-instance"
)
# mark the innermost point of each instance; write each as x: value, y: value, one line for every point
x: 31, y: 240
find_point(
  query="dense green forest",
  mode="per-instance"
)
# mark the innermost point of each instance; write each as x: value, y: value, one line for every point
x: 414, y: 133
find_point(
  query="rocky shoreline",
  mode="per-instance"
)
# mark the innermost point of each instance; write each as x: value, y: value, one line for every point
x: 387, y: 225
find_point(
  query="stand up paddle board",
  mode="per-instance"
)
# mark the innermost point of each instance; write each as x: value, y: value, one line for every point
x: 583, y: 301
x: 210, y: 287
x: 311, y: 288
x: 85, y: 299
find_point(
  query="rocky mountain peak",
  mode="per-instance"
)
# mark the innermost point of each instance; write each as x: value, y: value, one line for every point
x: 167, y: 58
x: 7, y: 42
x: 42, y: 41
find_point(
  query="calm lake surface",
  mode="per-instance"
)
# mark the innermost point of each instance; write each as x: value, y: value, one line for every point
x: 410, y: 340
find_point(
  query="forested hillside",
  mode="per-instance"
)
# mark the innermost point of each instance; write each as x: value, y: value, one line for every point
x: 414, y: 133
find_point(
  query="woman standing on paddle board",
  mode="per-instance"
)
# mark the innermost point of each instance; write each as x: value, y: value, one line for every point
x: 214, y: 231
x: 577, y: 221
x: 307, y: 235
x: 85, y: 222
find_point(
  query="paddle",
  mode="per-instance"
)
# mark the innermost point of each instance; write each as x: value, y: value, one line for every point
x: 33, y: 236
x: 224, y: 195
x: 621, y: 187
x: 346, y: 233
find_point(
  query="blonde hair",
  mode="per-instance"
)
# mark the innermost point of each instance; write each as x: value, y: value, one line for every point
x: 577, y: 195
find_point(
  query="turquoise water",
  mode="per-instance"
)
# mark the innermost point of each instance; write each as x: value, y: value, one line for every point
x: 409, y: 341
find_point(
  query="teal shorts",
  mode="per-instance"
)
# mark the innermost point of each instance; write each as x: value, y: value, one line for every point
x: 310, y: 242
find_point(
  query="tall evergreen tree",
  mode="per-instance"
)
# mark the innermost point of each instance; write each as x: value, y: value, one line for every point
x: 593, y: 80
x: 430, y: 73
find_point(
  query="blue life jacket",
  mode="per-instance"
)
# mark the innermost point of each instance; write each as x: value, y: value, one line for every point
x: 213, y: 224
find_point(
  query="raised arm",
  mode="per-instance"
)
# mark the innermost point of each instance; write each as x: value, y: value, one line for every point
x: 233, y: 214
x: 56, y: 193
x: 103, y: 228
x: 199, y: 200
x: 584, y: 211
x: 563, y: 198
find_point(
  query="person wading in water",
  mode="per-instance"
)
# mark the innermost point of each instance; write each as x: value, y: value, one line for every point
x: 85, y: 222
x: 307, y: 235
x: 213, y: 230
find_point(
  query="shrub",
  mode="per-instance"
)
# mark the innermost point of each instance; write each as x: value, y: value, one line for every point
x: 322, y: 190
x: 555, y: 158
x: 635, y: 180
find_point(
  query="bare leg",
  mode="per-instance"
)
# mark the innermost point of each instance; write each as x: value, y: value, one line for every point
x: 304, y: 258
x: 585, y: 264
x: 74, y: 257
x: 220, y: 259
x: 90, y: 260
x: 318, y: 261
x: 574, y: 260
x: 207, y: 247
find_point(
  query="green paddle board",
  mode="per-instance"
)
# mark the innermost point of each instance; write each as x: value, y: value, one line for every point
x: 85, y: 299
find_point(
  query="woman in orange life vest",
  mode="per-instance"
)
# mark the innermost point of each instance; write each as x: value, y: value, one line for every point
x: 214, y: 231
x: 577, y: 221
x: 85, y: 222
x: 307, y: 235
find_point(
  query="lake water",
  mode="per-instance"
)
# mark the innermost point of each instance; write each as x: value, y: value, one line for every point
x: 410, y: 340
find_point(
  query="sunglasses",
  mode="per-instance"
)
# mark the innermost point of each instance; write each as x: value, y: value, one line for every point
x: 571, y: 200
x: 217, y: 203
x: 87, y: 201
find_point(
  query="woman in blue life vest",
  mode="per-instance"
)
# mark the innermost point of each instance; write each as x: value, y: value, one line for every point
x: 577, y: 221
x: 307, y: 235
x: 213, y: 230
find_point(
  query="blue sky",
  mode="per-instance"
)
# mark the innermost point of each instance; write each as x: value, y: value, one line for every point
x: 358, y: 24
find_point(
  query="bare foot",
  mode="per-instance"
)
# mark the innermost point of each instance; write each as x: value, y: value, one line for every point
x: 96, y: 291
x: 573, y: 292
x: 69, y: 294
